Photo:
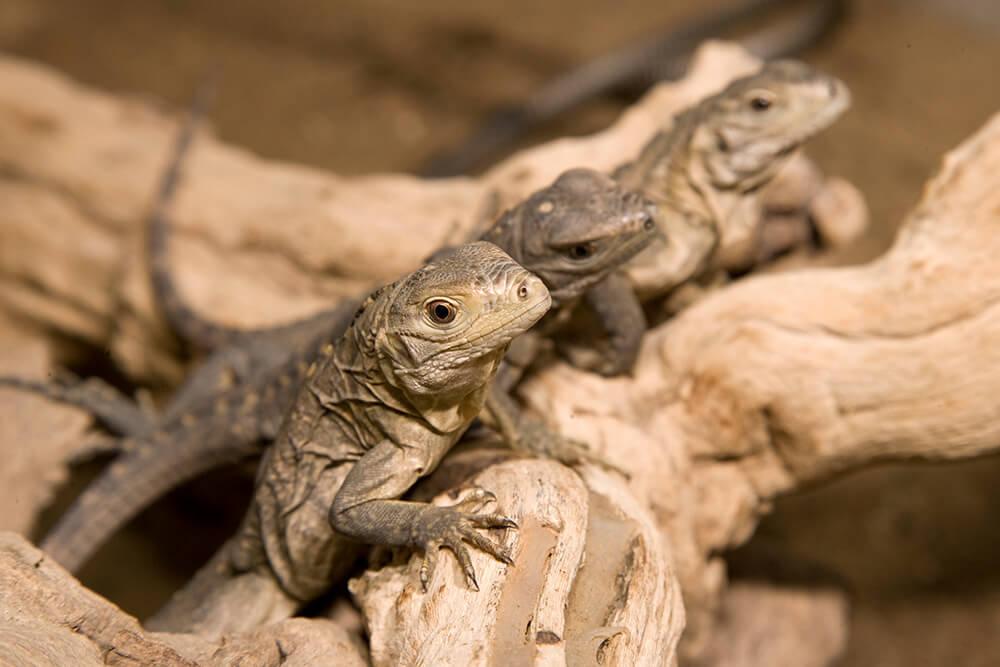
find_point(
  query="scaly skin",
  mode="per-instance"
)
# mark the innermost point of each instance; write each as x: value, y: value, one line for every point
x: 574, y: 234
x: 704, y: 170
x: 232, y: 404
x: 379, y: 409
x: 215, y: 423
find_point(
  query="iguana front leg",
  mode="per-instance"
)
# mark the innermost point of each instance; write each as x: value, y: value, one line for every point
x: 365, y: 508
x: 617, y: 308
x: 522, y: 433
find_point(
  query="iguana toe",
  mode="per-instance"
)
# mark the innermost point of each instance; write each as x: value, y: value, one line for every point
x: 449, y: 528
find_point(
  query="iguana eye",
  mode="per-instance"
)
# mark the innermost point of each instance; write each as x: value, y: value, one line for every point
x: 580, y: 251
x: 441, y: 311
x: 760, y: 102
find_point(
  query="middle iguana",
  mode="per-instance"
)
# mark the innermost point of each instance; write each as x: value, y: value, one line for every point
x: 378, y: 410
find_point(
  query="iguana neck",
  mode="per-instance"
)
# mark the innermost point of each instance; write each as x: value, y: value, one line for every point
x: 671, y: 171
x: 361, y: 364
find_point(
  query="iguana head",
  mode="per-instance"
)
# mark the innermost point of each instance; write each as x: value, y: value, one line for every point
x: 446, y: 325
x: 744, y: 132
x: 576, y: 231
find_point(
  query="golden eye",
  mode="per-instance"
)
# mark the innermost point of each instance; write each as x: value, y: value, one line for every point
x: 441, y: 311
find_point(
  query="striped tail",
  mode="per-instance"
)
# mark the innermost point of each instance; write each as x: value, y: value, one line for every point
x: 145, y: 471
x: 189, y: 325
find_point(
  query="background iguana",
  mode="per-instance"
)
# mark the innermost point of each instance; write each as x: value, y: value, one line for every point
x: 378, y: 410
x: 705, y: 167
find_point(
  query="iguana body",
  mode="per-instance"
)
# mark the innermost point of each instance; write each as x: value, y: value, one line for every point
x: 704, y: 169
x: 378, y: 410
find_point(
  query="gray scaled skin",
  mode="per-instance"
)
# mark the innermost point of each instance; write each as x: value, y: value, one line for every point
x: 573, y: 233
x: 704, y: 168
x: 378, y: 410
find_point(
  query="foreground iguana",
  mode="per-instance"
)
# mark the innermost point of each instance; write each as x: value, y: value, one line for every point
x: 574, y: 234
x: 378, y: 410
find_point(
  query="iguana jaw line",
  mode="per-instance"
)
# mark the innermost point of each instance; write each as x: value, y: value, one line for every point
x: 485, y: 342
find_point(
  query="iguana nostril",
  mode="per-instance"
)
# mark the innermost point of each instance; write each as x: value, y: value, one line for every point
x: 647, y: 222
x: 523, y: 291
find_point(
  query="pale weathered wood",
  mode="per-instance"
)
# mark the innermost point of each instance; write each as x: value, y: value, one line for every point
x: 786, y: 379
x: 591, y: 584
x: 48, y: 618
x: 769, y: 384
x: 763, y: 624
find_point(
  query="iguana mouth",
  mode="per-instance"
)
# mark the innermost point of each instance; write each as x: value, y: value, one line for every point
x: 629, y: 248
x: 531, y: 312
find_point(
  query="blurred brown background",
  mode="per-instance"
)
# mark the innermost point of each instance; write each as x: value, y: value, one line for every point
x: 379, y: 85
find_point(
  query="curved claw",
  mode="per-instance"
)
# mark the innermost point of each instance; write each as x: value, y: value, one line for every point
x: 491, y: 521
x: 476, y: 499
x: 487, y: 545
x: 465, y: 560
x: 428, y: 566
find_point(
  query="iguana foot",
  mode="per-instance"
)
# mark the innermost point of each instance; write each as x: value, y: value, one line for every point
x: 595, y: 359
x: 450, y: 527
x: 536, y: 438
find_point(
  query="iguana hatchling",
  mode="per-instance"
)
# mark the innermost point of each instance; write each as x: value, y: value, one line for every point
x: 377, y: 411
x: 705, y: 167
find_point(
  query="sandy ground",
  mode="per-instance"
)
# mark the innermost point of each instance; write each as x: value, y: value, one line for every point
x: 379, y: 85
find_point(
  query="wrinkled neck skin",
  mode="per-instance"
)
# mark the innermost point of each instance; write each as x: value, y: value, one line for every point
x: 669, y: 173
x: 707, y: 197
x: 701, y: 180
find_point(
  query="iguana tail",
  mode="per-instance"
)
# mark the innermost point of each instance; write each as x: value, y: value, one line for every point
x: 147, y: 469
x: 189, y: 325
x: 116, y: 411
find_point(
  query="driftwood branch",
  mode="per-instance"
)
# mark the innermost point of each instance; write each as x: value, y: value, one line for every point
x: 48, y: 618
x: 255, y: 242
x: 786, y: 379
x: 771, y: 383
